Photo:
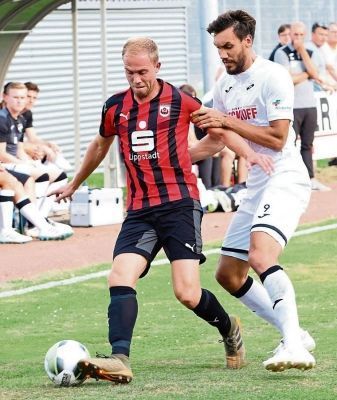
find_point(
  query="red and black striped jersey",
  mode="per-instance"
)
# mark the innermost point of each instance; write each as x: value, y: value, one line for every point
x: 153, y: 140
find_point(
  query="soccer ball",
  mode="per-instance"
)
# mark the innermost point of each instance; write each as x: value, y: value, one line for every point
x: 61, y: 361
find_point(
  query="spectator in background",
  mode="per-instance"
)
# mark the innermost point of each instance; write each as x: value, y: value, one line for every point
x: 301, y: 64
x: 319, y: 34
x: 36, y: 147
x: 330, y: 52
x: 12, y: 154
x: 329, y: 49
x: 284, y: 38
x: 12, y: 191
x: 208, y: 169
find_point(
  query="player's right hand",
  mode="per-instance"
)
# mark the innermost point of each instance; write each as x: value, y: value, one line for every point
x: 263, y: 160
x: 63, y: 193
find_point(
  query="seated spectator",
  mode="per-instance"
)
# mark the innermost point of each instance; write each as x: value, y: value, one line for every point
x: 208, y: 169
x: 12, y: 154
x: 36, y: 147
x: 12, y: 191
x: 284, y: 38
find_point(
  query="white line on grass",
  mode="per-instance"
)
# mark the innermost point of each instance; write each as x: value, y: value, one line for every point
x: 100, y: 274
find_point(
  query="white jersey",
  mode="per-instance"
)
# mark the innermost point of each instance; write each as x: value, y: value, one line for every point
x: 273, y: 204
x: 262, y: 93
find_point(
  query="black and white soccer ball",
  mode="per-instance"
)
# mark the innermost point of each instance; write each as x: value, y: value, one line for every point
x: 61, y: 362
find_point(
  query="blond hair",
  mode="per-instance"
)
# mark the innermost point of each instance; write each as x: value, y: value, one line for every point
x: 13, y: 85
x: 139, y: 44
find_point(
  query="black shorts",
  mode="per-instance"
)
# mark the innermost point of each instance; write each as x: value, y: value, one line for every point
x: 174, y: 226
x: 23, y: 178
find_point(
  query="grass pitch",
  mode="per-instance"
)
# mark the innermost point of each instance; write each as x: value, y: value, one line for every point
x: 174, y: 354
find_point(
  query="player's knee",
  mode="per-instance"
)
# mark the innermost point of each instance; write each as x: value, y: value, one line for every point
x: 115, y: 278
x: 230, y: 277
x: 226, y: 279
x: 189, y: 298
x: 11, y: 183
x: 258, y: 260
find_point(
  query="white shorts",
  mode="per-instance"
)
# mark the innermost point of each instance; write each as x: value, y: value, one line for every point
x: 273, y: 204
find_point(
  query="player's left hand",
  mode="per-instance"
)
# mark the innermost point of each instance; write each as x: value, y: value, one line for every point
x: 207, y: 118
x: 263, y: 160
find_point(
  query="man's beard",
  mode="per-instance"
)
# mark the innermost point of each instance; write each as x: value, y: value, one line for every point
x: 239, y: 66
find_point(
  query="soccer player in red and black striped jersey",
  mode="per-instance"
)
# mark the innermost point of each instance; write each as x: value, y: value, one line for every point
x: 151, y: 120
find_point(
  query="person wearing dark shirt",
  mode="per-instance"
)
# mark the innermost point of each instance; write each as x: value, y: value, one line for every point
x: 284, y: 38
x: 151, y: 119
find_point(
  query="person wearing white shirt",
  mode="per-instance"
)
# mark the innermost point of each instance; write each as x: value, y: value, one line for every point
x: 254, y: 100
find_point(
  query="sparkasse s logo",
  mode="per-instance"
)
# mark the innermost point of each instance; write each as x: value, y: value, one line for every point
x: 142, y: 143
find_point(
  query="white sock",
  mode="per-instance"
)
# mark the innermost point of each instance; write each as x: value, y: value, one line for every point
x: 6, y: 208
x: 47, y: 203
x: 282, y: 296
x: 257, y: 300
x: 32, y: 213
x: 41, y: 193
x: 57, y: 184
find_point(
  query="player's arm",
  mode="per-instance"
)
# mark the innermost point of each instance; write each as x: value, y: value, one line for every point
x: 204, y: 148
x: 31, y: 135
x: 21, y: 153
x: 6, y: 157
x: 218, y: 138
x: 273, y: 136
x: 94, y: 155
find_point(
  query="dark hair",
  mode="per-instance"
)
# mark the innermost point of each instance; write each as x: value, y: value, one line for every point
x: 189, y: 89
x: 243, y: 24
x: 318, y: 25
x: 283, y: 28
x: 32, y: 86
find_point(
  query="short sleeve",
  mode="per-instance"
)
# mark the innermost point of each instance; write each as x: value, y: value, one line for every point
x: 281, y: 57
x: 3, y: 130
x: 217, y: 100
x: 107, y: 126
x: 279, y: 95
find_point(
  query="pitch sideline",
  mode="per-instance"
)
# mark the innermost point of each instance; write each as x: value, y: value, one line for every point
x: 94, y: 275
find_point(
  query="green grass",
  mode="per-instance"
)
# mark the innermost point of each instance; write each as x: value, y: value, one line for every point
x: 96, y: 180
x: 174, y: 354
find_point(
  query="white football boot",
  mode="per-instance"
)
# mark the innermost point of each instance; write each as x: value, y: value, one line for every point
x: 286, y: 358
x: 10, y: 235
x: 64, y: 228
x: 307, y: 340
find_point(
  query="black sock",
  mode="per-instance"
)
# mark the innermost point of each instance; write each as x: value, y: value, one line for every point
x: 122, y: 315
x: 210, y: 310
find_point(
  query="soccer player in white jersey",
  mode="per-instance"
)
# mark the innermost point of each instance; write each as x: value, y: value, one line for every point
x: 254, y: 99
